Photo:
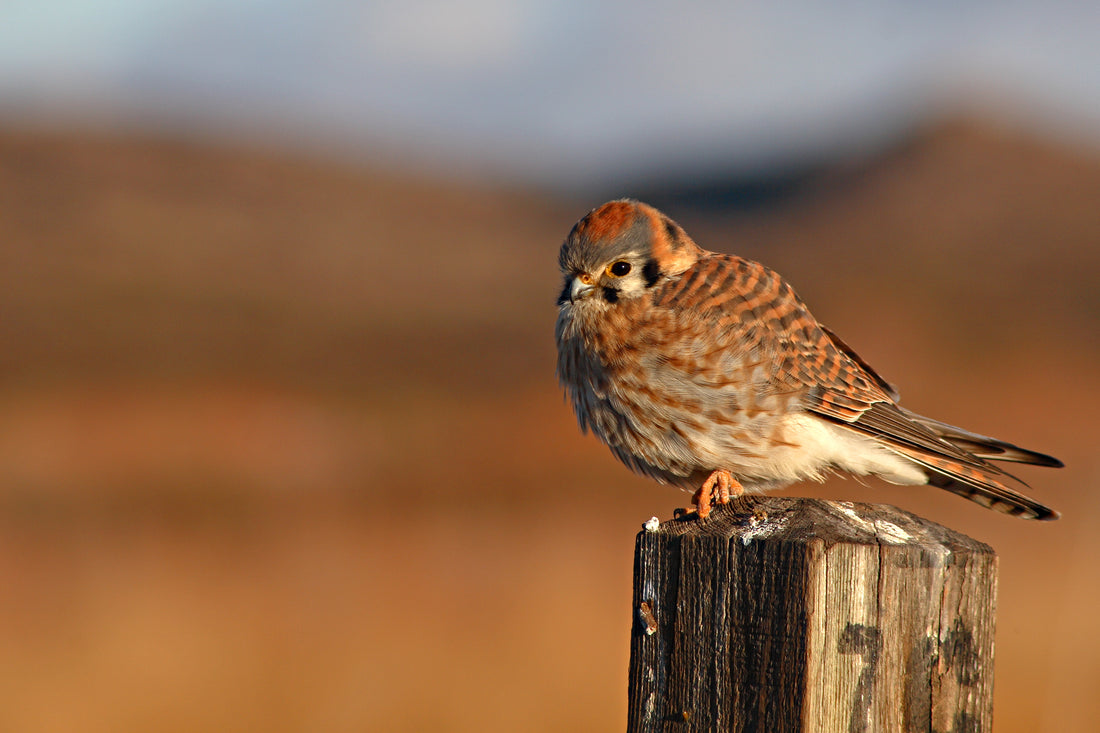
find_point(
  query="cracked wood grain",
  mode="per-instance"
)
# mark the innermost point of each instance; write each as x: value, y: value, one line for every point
x: 779, y: 614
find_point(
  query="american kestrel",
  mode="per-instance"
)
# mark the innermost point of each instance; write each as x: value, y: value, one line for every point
x: 706, y: 371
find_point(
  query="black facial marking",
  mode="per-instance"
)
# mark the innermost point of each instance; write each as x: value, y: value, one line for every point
x: 611, y: 295
x: 564, y: 297
x: 672, y: 231
x: 651, y: 272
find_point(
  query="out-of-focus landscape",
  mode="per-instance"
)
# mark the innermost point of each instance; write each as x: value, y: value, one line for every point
x: 281, y: 446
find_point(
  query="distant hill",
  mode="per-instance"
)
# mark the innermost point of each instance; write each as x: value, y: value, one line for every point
x: 135, y: 256
x: 144, y: 256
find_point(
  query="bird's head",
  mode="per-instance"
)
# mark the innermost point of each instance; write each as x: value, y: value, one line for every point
x: 620, y: 250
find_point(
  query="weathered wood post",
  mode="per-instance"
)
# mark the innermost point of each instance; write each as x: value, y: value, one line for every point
x: 778, y: 614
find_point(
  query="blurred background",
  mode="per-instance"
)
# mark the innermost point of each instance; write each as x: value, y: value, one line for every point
x: 281, y: 446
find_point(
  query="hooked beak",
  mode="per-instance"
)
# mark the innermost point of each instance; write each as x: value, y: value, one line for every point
x: 580, y: 286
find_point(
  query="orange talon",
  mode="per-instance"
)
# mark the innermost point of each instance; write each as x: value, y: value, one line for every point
x: 707, y: 496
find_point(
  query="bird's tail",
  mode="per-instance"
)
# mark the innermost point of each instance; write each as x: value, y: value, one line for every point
x: 979, y: 480
x: 992, y: 495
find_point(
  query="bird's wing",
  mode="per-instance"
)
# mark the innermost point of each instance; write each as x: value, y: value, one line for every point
x: 956, y: 459
x: 983, y: 446
x: 747, y: 311
x: 753, y: 305
x: 886, y: 387
x: 844, y: 391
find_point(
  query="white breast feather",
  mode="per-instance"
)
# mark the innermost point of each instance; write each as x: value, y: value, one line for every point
x: 821, y: 445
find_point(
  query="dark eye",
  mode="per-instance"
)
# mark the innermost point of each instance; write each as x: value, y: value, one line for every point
x: 620, y: 268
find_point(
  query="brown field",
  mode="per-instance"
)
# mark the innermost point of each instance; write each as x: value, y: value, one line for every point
x: 281, y: 447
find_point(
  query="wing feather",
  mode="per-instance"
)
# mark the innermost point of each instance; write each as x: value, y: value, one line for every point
x: 835, y: 383
x: 982, y: 445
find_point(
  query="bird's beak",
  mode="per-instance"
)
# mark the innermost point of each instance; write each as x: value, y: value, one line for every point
x: 581, y: 286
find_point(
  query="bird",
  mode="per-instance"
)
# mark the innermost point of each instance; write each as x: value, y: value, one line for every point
x: 706, y: 371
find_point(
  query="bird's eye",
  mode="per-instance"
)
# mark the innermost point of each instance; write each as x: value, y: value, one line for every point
x: 618, y: 269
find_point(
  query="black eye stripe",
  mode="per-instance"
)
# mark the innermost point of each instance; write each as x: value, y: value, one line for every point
x: 564, y: 297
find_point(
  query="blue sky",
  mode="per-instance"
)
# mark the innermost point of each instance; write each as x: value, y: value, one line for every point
x: 556, y: 92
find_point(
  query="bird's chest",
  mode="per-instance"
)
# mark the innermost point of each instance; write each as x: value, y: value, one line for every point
x: 608, y: 345
x: 659, y: 370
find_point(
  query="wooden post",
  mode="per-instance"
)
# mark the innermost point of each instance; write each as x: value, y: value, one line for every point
x: 779, y: 614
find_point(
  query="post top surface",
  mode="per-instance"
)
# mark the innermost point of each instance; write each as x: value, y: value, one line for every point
x: 756, y: 517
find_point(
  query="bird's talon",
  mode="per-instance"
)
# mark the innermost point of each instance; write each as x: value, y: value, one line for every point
x: 719, y: 488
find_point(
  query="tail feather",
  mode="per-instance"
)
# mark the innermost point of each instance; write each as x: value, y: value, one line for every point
x: 953, y: 459
x: 1003, y: 500
x: 982, y: 487
x: 983, y: 446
